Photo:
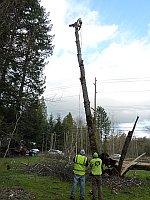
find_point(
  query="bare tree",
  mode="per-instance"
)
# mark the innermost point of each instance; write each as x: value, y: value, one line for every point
x: 91, y: 128
x: 126, y: 145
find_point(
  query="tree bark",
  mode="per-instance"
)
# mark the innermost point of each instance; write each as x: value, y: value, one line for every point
x: 125, y: 147
x: 89, y: 118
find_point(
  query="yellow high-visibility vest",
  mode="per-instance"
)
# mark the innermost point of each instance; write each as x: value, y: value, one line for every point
x: 96, y: 166
x: 80, y: 165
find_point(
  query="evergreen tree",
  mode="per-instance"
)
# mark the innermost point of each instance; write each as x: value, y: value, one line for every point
x: 59, y: 134
x: 33, y: 125
x: 103, y: 126
x: 51, y: 124
x: 25, y: 43
x: 69, y: 128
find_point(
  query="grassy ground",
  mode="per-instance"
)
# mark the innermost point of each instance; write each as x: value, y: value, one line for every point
x: 46, y: 187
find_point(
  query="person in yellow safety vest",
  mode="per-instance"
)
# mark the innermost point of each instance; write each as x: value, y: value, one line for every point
x: 80, y: 164
x: 109, y: 167
x: 96, y: 172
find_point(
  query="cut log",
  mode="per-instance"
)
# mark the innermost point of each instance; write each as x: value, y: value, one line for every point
x: 141, y: 166
x: 132, y: 163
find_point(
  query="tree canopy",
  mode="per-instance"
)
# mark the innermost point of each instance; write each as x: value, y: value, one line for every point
x: 25, y: 43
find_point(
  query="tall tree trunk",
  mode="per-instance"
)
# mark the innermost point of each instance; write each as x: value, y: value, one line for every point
x: 89, y: 118
x: 51, y: 141
x: 125, y: 147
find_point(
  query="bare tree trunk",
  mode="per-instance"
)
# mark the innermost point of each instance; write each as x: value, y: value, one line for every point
x: 43, y: 142
x: 125, y: 147
x: 65, y: 141
x: 77, y: 140
x: 89, y: 118
x: 86, y: 142
x: 51, y: 142
x: 12, y: 134
x: 54, y: 144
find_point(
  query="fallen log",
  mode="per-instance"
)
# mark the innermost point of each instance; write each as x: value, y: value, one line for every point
x: 126, y: 167
x: 141, y: 166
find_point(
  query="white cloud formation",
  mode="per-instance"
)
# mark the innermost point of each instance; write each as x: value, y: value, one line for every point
x: 108, y: 54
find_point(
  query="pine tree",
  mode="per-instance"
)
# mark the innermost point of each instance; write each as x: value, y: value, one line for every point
x: 51, y: 124
x: 69, y: 133
x: 25, y: 43
x: 103, y: 126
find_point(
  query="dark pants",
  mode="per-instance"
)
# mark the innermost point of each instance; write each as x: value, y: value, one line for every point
x: 97, y: 184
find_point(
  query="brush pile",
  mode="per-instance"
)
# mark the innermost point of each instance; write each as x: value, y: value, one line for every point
x: 15, y: 194
x: 64, y: 171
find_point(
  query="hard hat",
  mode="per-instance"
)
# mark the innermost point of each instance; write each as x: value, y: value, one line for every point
x: 90, y: 192
x: 79, y: 21
x: 95, y: 155
x: 82, y: 152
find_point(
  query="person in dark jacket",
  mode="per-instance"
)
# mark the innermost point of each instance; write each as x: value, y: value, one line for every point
x: 80, y: 164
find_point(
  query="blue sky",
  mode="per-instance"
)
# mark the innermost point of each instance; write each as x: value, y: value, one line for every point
x: 130, y: 14
x: 115, y: 43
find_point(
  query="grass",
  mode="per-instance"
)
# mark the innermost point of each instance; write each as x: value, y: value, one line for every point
x: 45, y: 187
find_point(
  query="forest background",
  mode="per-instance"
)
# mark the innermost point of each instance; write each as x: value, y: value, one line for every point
x: 25, y: 44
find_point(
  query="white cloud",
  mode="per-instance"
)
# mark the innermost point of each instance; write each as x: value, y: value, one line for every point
x: 63, y: 13
x: 93, y: 34
x: 121, y: 58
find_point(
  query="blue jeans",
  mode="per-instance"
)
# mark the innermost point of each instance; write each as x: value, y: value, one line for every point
x: 81, y: 180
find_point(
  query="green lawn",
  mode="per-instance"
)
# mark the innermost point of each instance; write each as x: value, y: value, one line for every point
x: 45, y: 187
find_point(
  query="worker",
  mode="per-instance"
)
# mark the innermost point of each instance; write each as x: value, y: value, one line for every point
x: 80, y: 165
x: 96, y: 172
x: 109, y: 167
x: 79, y: 23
